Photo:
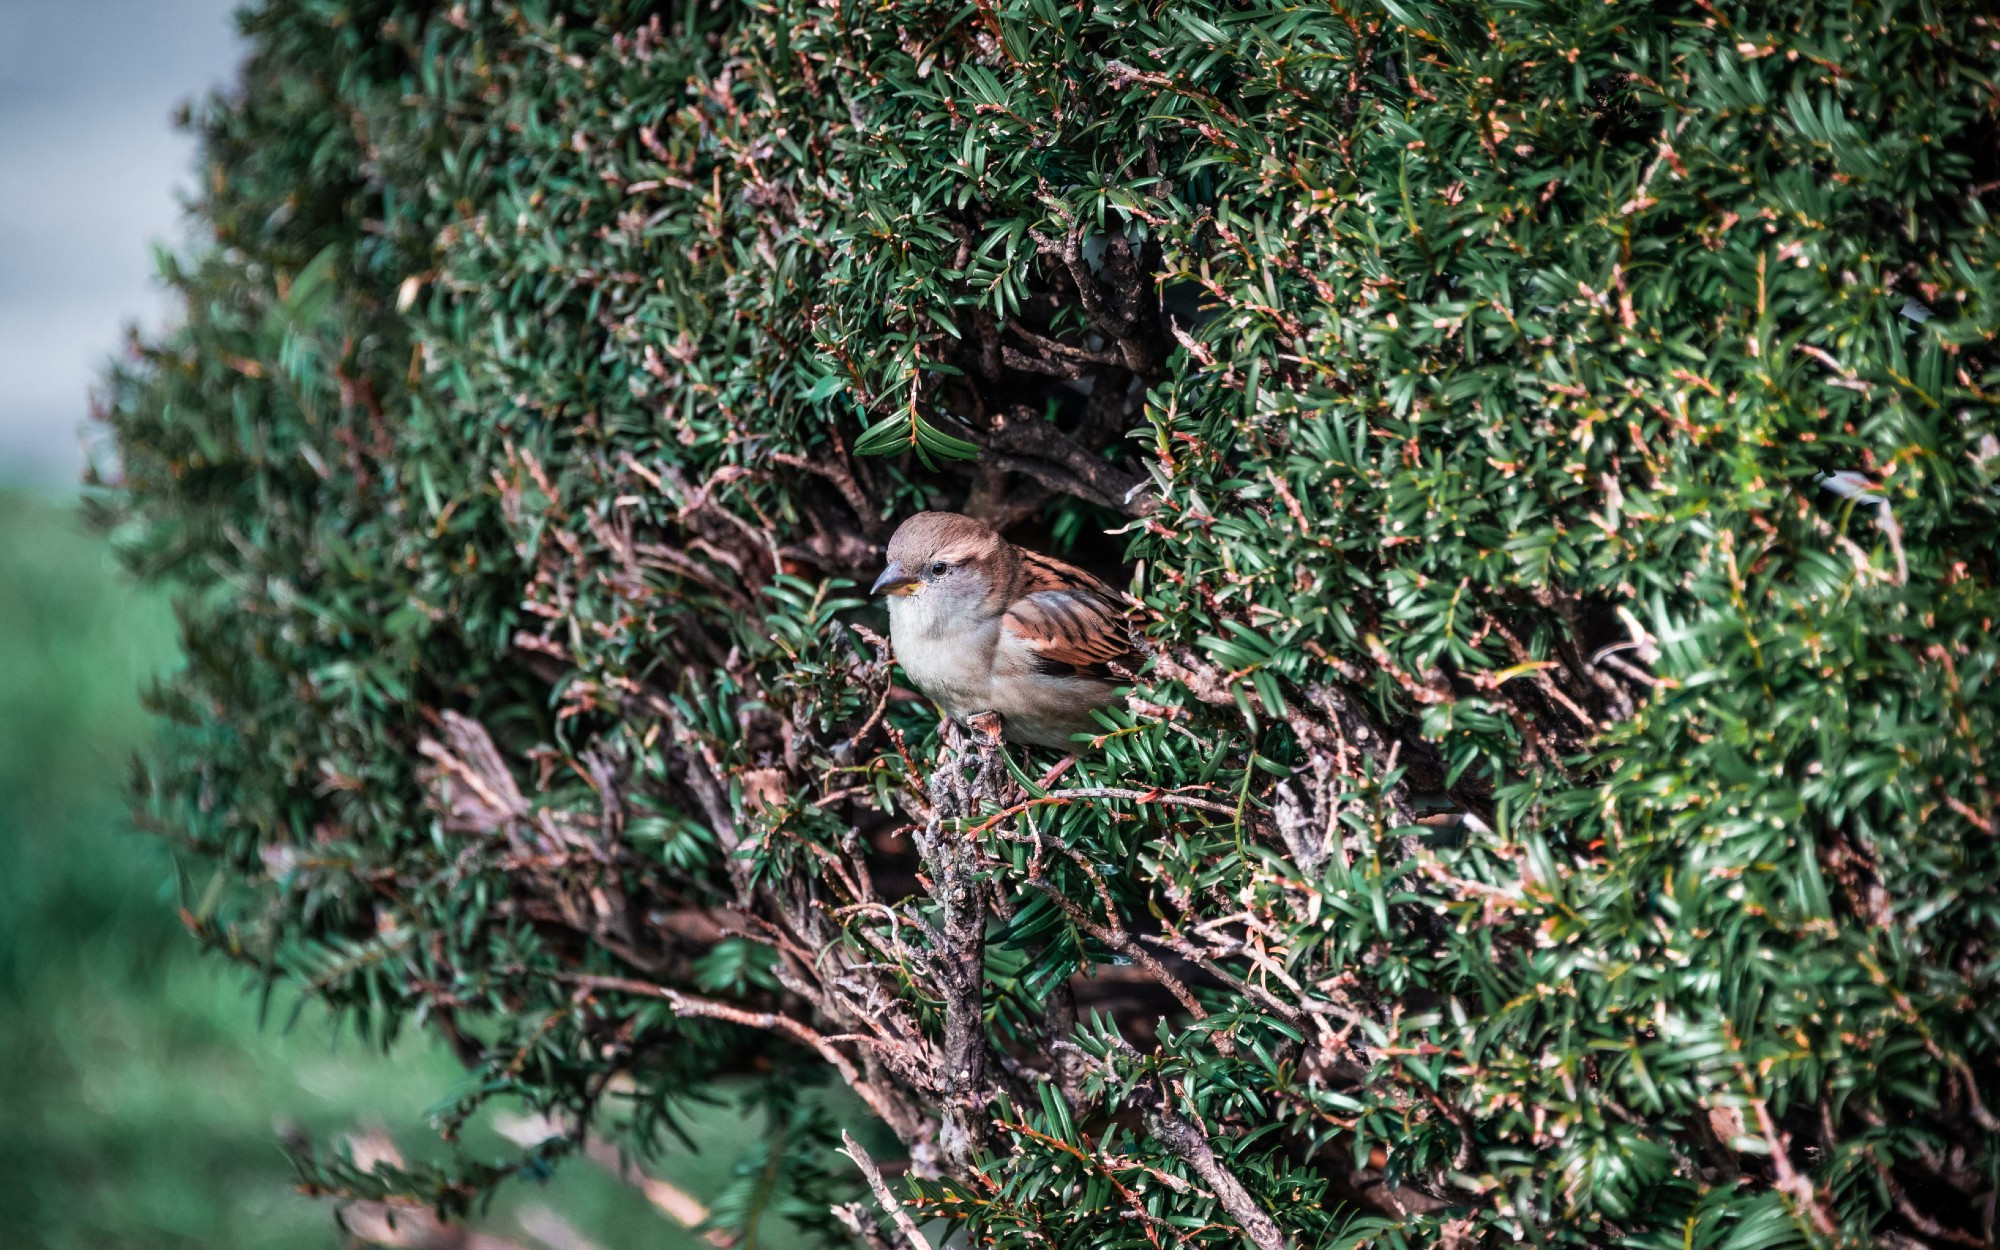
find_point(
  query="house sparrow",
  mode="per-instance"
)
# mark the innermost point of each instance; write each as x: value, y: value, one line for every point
x: 981, y: 625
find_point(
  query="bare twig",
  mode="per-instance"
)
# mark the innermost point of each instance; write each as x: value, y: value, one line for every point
x: 904, y: 1224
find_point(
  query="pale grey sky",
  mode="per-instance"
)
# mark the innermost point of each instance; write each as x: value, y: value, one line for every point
x: 91, y: 175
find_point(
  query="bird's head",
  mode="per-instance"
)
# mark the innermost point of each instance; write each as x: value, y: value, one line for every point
x: 950, y: 563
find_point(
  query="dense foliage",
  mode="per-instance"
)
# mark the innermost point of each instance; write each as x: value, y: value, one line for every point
x: 1553, y: 451
x: 106, y: 1021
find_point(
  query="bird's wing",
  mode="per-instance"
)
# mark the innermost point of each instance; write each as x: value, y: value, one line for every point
x: 1069, y: 620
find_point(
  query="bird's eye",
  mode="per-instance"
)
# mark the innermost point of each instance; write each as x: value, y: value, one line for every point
x: 937, y: 570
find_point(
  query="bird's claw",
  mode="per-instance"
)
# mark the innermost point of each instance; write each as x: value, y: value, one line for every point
x: 986, y: 728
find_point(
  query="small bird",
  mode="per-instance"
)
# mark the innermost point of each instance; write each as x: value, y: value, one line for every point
x: 982, y: 625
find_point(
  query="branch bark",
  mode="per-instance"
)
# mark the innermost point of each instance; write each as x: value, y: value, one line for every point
x: 958, y: 887
x: 1193, y: 1148
x: 913, y: 1235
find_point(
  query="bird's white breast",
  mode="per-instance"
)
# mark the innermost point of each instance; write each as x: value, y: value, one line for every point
x: 950, y: 660
x: 967, y: 665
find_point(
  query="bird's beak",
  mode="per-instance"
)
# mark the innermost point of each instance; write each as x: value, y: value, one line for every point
x: 895, y: 582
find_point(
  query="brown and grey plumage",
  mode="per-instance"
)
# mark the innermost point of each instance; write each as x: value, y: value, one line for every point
x: 981, y: 625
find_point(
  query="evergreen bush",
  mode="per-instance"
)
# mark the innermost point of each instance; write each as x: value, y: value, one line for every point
x: 1551, y: 447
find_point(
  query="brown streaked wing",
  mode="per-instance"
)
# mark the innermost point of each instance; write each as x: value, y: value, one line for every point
x: 1075, y: 631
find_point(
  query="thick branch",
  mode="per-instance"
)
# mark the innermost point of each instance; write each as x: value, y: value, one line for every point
x: 1192, y: 1147
x: 951, y: 861
x: 1024, y: 443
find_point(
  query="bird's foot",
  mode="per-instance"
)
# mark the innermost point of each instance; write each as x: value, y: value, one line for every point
x: 987, y: 734
x: 986, y: 728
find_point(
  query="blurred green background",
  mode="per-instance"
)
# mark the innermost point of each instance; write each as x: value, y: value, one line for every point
x: 141, y: 1102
